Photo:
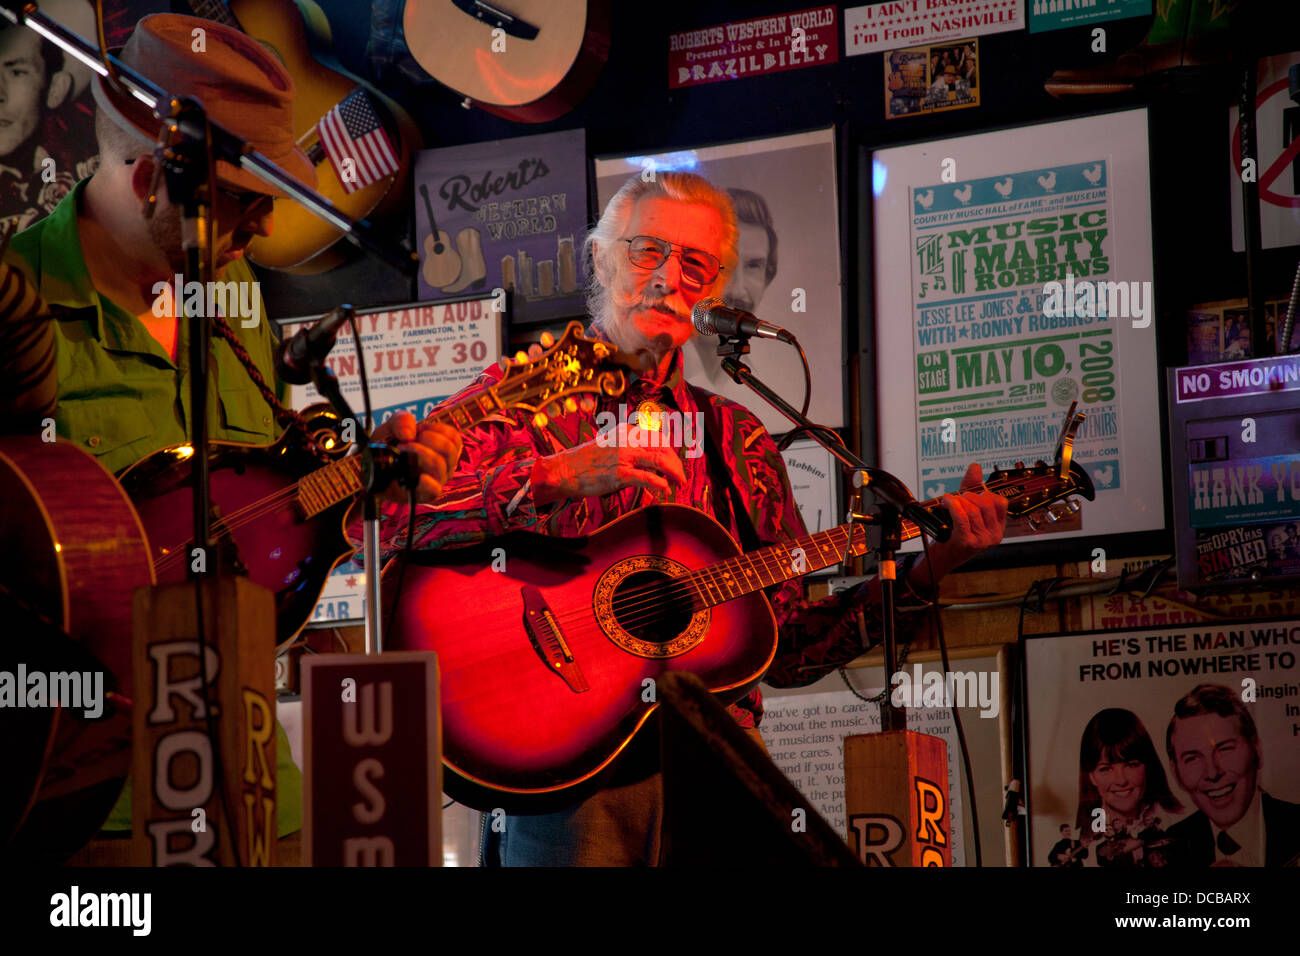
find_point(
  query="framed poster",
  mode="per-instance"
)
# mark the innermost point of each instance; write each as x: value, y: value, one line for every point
x: 1144, y: 746
x: 789, y: 272
x: 507, y: 214
x: 815, y: 479
x: 416, y: 355
x: 1013, y: 277
x: 804, y: 730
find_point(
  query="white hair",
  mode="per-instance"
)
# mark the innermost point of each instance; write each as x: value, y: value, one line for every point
x: 681, y: 187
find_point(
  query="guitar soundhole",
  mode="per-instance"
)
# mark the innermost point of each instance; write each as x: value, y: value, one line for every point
x: 648, y: 610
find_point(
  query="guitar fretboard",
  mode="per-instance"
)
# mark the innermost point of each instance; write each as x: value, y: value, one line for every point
x: 746, y: 573
x: 341, y: 480
x: 774, y: 564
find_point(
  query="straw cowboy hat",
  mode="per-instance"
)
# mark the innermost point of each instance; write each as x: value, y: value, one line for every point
x: 239, y: 82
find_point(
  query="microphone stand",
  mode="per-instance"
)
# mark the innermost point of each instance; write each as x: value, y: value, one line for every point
x: 380, y: 467
x: 893, y: 502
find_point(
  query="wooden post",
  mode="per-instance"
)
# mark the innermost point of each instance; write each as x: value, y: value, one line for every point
x: 372, y: 767
x: 178, y: 817
x: 896, y: 798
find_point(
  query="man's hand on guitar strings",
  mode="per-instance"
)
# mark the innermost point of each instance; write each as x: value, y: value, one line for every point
x: 436, y: 448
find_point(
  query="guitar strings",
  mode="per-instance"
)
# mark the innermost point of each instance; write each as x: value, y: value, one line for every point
x: 638, y: 599
x: 652, y: 597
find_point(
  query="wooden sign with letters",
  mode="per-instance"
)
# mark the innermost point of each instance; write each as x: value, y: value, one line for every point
x: 896, y: 798
x: 372, y: 775
x: 178, y: 819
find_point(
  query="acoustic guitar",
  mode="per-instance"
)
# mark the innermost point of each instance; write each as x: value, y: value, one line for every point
x: 526, y: 60
x: 546, y: 659
x: 441, y: 262
x: 72, y: 553
x: 279, y: 514
x: 298, y: 33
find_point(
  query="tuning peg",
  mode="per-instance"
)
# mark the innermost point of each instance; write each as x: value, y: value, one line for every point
x: 521, y: 356
x: 1052, y: 516
x: 553, y: 409
x: 1033, y: 523
x: 1073, y: 505
x: 570, y: 404
x: 540, y: 419
x: 1040, y: 464
x: 1020, y: 464
x: 547, y: 340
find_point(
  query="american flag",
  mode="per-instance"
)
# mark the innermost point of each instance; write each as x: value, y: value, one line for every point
x: 351, y: 130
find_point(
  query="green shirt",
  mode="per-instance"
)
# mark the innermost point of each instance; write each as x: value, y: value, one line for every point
x: 121, y: 397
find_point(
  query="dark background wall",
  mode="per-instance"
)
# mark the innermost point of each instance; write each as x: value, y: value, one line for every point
x: 631, y: 109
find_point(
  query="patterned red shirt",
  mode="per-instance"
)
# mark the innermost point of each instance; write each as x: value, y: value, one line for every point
x: 489, y: 494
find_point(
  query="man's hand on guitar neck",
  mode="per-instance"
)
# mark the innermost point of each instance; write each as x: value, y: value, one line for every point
x: 436, y: 448
x: 979, y: 519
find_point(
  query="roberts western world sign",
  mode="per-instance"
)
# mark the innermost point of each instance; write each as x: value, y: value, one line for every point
x: 731, y: 51
x: 905, y: 23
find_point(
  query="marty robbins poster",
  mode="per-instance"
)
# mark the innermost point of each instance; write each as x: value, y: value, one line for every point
x: 1168, y: 747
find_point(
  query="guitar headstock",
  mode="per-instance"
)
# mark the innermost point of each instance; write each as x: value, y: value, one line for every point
x: 1028, y: 490
x: 574, y: 365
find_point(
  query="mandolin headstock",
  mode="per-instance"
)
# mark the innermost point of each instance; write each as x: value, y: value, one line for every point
x: 574, y: 365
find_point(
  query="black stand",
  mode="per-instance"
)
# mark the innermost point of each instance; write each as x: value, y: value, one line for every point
x: 894, y: 502
x: 380, y: 467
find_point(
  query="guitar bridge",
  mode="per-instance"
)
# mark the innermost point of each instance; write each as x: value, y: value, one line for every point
x: 548, y: 640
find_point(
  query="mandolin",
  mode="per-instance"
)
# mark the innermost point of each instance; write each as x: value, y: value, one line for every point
x: 298, y: 33
x: 279, y: 513
x: 526, y: 60
x: 545, y: 660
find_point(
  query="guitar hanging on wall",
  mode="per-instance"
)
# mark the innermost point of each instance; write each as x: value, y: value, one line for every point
x: 526, y: 60
x: 298, y: 33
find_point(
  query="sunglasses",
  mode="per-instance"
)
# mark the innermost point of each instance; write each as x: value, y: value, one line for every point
x: 245, y: 202
x: 699, y: 268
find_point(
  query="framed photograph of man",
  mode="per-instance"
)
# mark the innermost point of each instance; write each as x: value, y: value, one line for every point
x: 47, y: 112
x: 1164, y: 747
x: 784, y: 191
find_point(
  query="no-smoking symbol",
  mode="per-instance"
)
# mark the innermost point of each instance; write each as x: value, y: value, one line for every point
x: 1279, y: 165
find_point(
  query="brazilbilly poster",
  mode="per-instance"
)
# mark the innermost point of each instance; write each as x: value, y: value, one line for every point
x: 415, y: 356
x: 508, y: 214
x: 1147, y: 746
x: 1028, y: 288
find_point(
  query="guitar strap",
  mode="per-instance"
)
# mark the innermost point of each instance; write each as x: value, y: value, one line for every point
x: 722, y: 475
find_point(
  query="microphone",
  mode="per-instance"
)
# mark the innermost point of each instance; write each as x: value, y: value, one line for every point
x: 713, y: 317
x: 308, y: 346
